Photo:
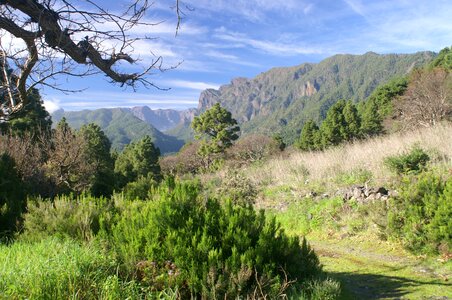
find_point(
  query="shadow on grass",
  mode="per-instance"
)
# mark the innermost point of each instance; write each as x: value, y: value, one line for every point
x: 374, y: 286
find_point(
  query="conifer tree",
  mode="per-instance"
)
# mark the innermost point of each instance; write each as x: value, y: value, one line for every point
x: 371, y: 120
x: 97, y: 147
x: 333, y: 128
x: 309, y: 138
x: 139, y: 159
x: 352, y: 121
x: 219, y: 126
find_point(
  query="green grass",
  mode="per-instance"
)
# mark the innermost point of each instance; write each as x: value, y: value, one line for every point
x: 369, y: 269
x: 351, y: 251
x: 57, y: 269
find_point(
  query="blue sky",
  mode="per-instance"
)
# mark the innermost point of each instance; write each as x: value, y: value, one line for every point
x: 223, y: 39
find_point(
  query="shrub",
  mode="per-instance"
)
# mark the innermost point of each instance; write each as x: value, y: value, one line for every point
x: 412, y: 162
x: 238, y: 188
x: 327, y: 289
x: 206, y: 249
x: 79, y: 218
x: 253, y: 148
x: 420, y: 216
x: 140, y: 188
x: 12, y: 197
x: 186, y: 161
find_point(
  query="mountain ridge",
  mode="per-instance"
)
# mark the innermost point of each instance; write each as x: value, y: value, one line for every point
x: 121, y: 126
x: 282, y: 99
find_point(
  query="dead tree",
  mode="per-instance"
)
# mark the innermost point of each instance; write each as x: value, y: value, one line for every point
x: 41, y: 39
x: 428, y: 99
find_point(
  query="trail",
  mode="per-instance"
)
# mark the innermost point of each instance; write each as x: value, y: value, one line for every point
x: 372, y: 271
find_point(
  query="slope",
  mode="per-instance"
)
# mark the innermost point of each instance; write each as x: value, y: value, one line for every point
x: 282, y: 99
x: 121, y: 127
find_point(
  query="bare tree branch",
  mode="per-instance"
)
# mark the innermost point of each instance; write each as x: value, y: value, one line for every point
x: 60, y: 35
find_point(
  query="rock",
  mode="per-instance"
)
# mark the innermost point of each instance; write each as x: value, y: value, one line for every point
x: 371, y: 197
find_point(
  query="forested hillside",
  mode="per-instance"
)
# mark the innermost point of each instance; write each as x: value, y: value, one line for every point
x: 121, y: 126
x: 281, y: 100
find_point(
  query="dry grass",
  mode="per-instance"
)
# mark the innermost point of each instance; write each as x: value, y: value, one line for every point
x: 301, y: 168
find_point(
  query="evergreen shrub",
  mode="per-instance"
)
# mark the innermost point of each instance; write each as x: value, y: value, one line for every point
x: 420, y: 216
x: 411, y: 162
x: 207, y: 249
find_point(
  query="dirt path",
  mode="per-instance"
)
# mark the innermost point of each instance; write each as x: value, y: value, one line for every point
x: 369, y: 271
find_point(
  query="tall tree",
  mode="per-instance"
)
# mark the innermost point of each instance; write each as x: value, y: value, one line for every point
x: 309, y: 137
x: 428, y: 99
x: 33, y: 118
x: 68, y: 163
x: 220, y: 128
x: 333, y: 128
x: 371, y: 120
x: 139, y: 159
x: 97, y: 150
x: 352, y: 121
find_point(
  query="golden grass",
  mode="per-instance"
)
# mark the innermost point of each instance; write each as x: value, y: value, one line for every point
x: 300, y: 168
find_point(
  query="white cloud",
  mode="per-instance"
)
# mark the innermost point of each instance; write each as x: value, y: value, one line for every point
x: 283, y: 48
x: 220, y: 55
x: 52, y: 105
x: 255, y: 10
x: 193, y: 85
x: 356, y: 6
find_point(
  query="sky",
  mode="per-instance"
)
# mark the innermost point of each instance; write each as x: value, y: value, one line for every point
x: 222, y: 39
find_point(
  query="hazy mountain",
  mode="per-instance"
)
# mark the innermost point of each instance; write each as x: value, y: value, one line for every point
x: 282, y: 99
x: 121, y: 127
x: 162, y: 119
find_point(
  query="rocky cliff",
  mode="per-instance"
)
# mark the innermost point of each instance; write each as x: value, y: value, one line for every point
x: 282, y: 99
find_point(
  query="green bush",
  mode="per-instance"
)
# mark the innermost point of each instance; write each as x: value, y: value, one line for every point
x: 12, y: 196
x: 420, y: 216
x: 140, y: 188
x: 206, y: 249
x: 318, y: 289
x: 79, y: 218
x: 411, y: 162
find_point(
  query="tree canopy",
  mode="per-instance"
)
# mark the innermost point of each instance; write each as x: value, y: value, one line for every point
x: 137, y: 160
x: 218, y: 125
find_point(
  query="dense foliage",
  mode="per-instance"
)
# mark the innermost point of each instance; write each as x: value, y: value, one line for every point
x: 219, y: 126
x: 412, y: 162
x: 420, y: 216
x: 342, y: 123
x: 139, y: 159
x: 181, y: 241
x: 12, y: 196
x: 32, y: 118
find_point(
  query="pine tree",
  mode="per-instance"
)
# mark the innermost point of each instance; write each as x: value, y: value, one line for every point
x: 309, y: 138
x: 352, y: 121
x: 333, y: 128
x: 137, y: 160
x: 371, y: 120
x: 218, y: 124
x: 97, y: 148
